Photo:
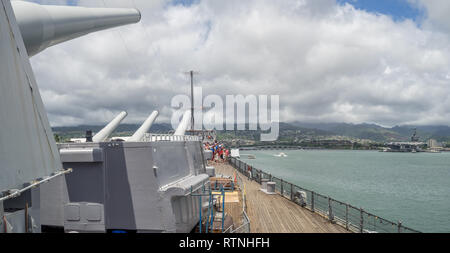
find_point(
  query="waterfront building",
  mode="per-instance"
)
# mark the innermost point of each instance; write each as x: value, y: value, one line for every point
x: 432, y: 143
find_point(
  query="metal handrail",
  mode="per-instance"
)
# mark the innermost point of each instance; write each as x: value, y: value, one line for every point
x: 352, y: 218
x: 148, y: 137
x: 16, y: 192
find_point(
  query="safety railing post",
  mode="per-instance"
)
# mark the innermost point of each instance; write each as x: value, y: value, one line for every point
x: 223, y: 208
x: 361, y: 221
x: 399, y: 227
x: 292, y: 192
x: 209, y: 212
x: 330, y: 210
x: 26, y: 219
x: 200, y: 216
x: 346, y: 216
x: 281, y: 187
x: 312, y: 201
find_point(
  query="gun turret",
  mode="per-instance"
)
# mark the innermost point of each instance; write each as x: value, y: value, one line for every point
x: 184, y: 124
x: 43, y: 26
x: 139, y: 134
x: 108, y: 129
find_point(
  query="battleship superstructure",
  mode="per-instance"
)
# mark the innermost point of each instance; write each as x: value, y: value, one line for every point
x: 142, y: 183
x: 141, y: 186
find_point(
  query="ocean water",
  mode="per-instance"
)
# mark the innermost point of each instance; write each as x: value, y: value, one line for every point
x: 410, y: 187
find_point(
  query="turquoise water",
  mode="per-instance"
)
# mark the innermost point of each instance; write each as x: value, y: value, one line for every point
x: 410, y: 187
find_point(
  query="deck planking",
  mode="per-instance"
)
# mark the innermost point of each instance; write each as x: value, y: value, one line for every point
x: 276, y: 214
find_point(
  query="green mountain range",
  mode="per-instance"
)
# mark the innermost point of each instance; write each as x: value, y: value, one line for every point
x: 381, y: 134
x: 294, y: 131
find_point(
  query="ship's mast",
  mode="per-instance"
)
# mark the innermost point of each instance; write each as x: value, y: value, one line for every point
x: 414, y: 137
x: 192, y: 100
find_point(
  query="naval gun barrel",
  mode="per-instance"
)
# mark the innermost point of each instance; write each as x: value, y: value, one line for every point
x: 184, y: 124
x: 43, y: 26
x: 108, y: 129
x: 139, y: 134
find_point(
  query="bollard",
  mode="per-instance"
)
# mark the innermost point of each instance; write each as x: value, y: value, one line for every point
x: 271, y: 187
x: 264, y: 183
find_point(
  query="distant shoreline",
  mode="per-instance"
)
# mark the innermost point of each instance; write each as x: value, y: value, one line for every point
x: 319, y: 149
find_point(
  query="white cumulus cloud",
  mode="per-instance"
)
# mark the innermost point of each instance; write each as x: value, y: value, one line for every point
x: 328, y: 62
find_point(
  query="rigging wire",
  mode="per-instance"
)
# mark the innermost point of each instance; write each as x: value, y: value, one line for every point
x: 127, y: 50
x: 148, y: 38
x: 153, y: 47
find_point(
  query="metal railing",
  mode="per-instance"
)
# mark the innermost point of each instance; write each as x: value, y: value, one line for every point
x: 245, y: 227
x: 169, y: 137
x: 352, y: 218
x: 16, y: 192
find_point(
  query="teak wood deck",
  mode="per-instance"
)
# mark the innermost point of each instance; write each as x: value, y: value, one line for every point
x: 276, y: 214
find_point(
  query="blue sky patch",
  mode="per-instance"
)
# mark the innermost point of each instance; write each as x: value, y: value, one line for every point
x: 397, y: 9
x: 69, y: 2
x: 72, y: 2
x: 184, y: 2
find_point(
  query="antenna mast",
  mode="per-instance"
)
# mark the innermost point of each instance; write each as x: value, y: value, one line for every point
x: 191, y: 74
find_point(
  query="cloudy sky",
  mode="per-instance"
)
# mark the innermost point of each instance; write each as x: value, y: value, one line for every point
x: 385, y: 62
